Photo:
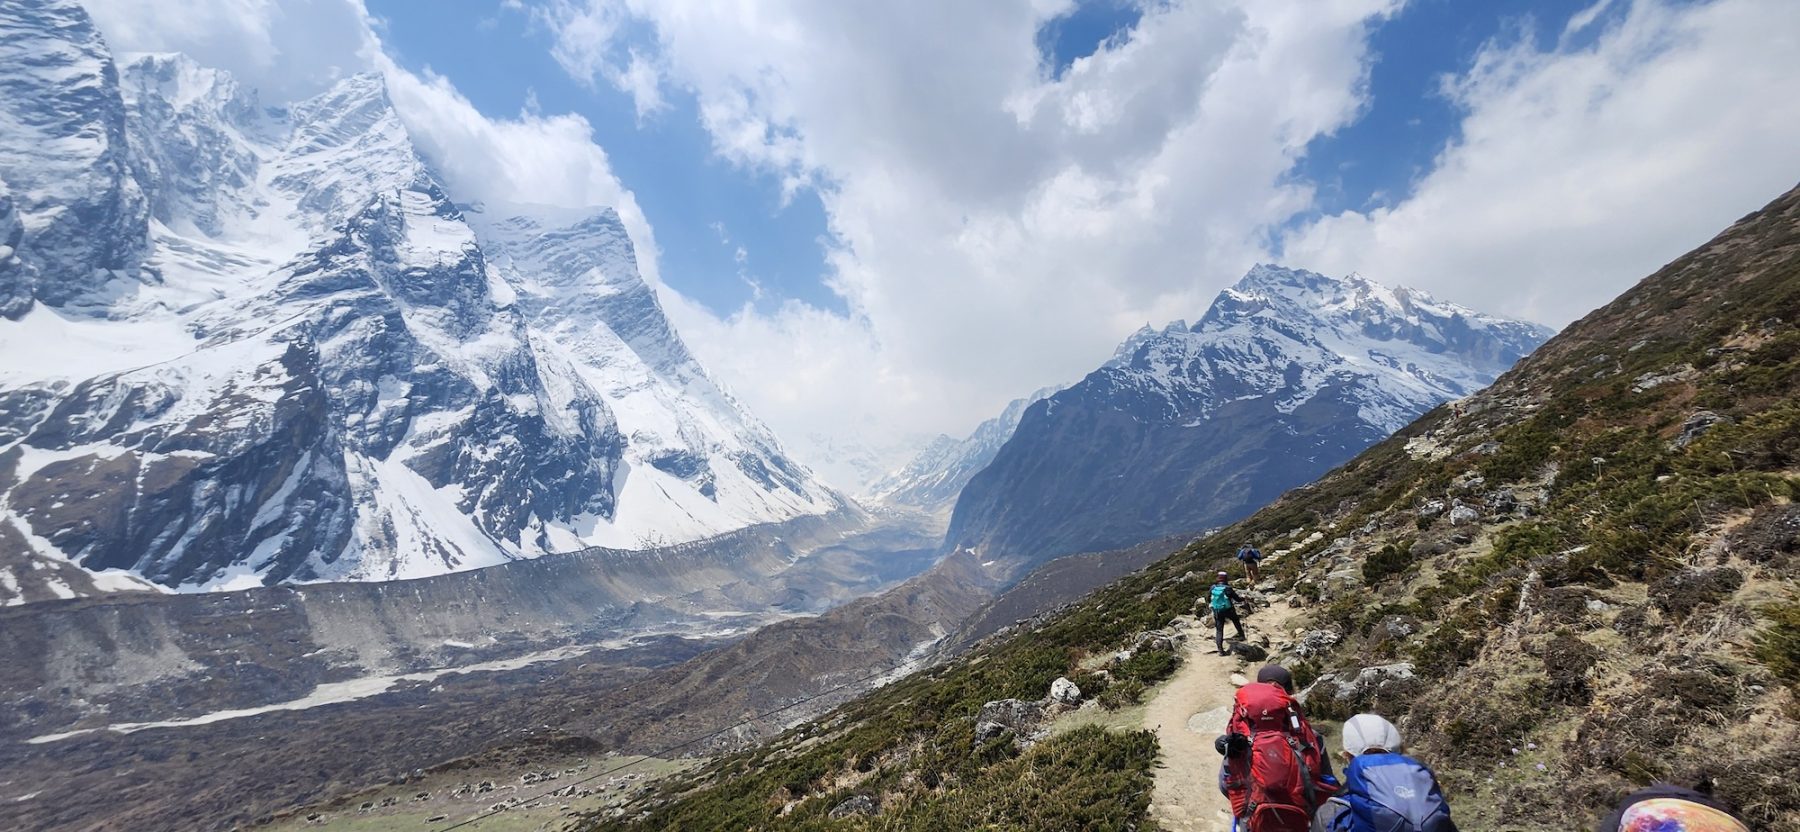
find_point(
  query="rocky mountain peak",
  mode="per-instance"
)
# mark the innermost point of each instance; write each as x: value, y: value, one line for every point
x: 326, y: 369
x: 1288, y: 373
x: 63, y: 156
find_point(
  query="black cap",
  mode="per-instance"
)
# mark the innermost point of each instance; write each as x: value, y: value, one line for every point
x: 1277, y: 674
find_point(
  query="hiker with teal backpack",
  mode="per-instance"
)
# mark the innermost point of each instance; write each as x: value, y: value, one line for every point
x: 1382, y: 790
x: 1223, y: 601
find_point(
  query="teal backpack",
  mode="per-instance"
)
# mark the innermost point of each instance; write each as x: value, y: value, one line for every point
x: 1219, y: 600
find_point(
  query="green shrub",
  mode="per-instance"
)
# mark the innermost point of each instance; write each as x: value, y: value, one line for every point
x: 1088, y: 778
x: 1778, y: 644
x: 1391, y: 560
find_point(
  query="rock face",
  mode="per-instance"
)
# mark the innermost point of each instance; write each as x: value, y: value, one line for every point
x: 1289, y: 374
x: 284, y: 353
x: 64, y: 159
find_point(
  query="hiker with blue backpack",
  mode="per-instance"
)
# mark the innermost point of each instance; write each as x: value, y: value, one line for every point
x: 1251, y: 557
x: 1223, y: 601
x: 1382, y: 789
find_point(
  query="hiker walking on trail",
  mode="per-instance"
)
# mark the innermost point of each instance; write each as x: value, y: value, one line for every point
x: 1666, y: 808
x: 1383, y: 790
x: 1251, y: 557
x: 1223, y: 601
x: 1275, y: 772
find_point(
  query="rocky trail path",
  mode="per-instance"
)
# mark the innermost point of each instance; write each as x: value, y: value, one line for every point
x: 1190, y: 710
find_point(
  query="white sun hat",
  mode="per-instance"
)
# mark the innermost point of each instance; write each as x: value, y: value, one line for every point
x: 1365, y: 731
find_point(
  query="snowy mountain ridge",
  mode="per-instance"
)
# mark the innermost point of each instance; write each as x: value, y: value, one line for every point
x: 280, y: 351
x: 933, y: 478
x: 1299, y: 332
x: 1288, y: 373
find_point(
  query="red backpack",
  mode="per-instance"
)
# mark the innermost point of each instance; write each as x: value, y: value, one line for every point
x: 1275, y: 775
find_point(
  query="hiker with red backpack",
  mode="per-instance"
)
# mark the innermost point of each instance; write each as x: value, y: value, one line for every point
x: 1383, y: 789
x: 1275, y: 772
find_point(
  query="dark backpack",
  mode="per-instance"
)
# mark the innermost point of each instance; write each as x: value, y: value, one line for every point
x: 1274, y: 774
x: 1391, y: 793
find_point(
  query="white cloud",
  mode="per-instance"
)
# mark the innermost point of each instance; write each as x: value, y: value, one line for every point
x: 1579, y: 171
x: 533, y: 158
x: 287, y: 50
x: 290, y: 49
x: 992, y: 229
x: 1586, y: 17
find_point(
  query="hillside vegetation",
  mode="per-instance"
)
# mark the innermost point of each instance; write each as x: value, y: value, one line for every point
x: 1579, y: 580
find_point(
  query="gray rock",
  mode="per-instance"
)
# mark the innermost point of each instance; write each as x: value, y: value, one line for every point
x: 1502, y: 502
x: 860, y: 805
x: 1248, y: 651
x: 1462, y: 515
x: 1317, y: 642
x: 1432, y: 508
x: 1648, y: 381
x: 1064, y: 691
x: 1346, y: 578
x: 1024, y: 719
x: 1398, y: 627
x: 1157, y: 640
x: 1366, y: 685
x: 1696, y: 426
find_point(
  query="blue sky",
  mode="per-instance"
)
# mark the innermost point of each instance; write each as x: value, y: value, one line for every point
x: 876, y: 221
x: 730, y: 236
x: 703, y: 209
x: 1375, y: 160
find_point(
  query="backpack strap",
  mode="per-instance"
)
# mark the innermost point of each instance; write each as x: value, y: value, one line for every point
x: 1306, y: 779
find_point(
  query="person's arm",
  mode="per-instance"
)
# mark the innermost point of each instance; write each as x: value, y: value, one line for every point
x: 1327, y: 813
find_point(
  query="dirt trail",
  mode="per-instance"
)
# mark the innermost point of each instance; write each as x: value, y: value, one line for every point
x: 1186, y: 713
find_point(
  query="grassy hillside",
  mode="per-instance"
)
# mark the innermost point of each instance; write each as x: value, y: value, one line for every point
x: 1579, y: 580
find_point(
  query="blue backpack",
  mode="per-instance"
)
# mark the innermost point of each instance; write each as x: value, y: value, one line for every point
x: 1220, y: 601
x: 1391, y: 793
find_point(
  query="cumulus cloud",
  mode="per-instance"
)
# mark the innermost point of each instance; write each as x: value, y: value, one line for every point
x: 291, y: 49
x: 1580, y: 170
x: 533, y: 158
x: 994, y: 226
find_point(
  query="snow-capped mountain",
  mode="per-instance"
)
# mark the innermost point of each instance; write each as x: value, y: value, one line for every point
x: 247, y: 344
x: 938, y: 473
x: 1289, y: 374
x: 851, y: 459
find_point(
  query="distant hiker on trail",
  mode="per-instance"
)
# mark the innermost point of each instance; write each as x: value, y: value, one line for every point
x: 1223, y: 601
x: 1666, y: 808
x: 1383, y: 789
x: 1275, y: 772
x: 1252, y: 560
